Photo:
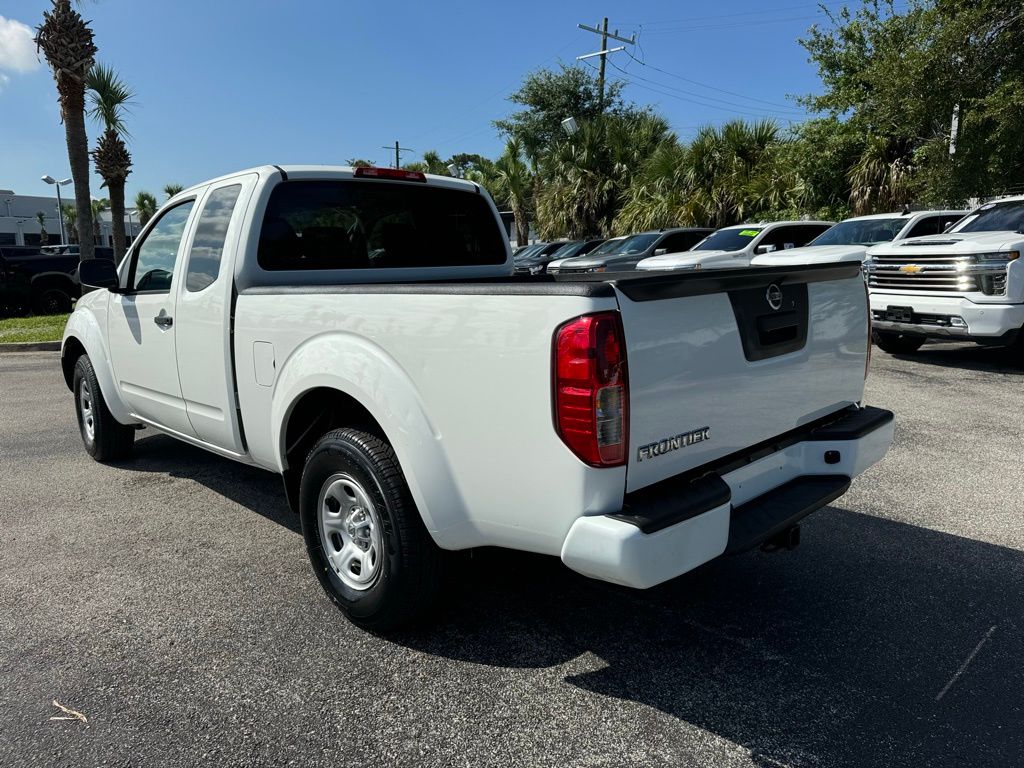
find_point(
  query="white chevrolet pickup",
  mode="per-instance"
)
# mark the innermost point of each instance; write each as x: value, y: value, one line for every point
x: 361, y: 333
x: 966, y: 284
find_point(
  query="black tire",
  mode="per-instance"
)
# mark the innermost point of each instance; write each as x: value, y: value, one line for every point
x: 408, y: 575
x: 109, y: 440
x: 896, y: 343
x: 52, y: 301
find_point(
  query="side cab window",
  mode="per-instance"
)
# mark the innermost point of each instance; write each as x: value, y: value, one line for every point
x: 154, y: 257
x: 929, y: 225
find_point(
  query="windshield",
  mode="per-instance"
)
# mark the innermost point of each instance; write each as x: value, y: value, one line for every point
x: 734, y: 239
x: 608, y: 246
x: 637, y: 243
x: 861, y: 232
x: 566, y: 251
x: 528, y: 251
x: 994, y: 217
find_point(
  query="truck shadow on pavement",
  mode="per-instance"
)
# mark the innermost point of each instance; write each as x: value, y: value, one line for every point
x: 853, y: 650
x: 254, y: 489
x: 876, y: 643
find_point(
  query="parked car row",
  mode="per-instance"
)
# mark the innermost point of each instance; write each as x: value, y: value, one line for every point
x: 948, y: 274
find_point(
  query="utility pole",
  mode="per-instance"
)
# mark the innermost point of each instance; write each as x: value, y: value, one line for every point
x: 398, y: 153
x: 603, y: 53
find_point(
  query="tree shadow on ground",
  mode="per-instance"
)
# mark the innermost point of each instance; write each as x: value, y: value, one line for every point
x: 854, y: 650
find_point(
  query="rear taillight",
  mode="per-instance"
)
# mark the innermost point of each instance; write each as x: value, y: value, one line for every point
x: 591, y: 389
x: 389, y: 173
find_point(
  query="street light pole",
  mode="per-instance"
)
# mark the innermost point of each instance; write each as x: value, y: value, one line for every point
x: 60, y: 205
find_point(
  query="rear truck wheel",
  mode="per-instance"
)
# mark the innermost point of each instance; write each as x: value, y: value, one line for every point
x: 896, y: 343
x: 52, y: 301
x: 105, y: 438
x: 365, y: 538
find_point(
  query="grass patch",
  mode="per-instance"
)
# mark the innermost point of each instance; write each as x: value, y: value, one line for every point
x: 40, y: 328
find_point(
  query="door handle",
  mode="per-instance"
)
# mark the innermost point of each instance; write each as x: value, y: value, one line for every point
x: 164, y: 321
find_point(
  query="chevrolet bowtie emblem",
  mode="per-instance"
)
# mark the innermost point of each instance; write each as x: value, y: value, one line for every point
x: 911, y: 269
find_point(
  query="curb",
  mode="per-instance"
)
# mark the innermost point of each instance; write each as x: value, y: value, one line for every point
x: 31, y: 346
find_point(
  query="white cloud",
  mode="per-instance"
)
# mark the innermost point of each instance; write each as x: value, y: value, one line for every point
x: 17, y: 47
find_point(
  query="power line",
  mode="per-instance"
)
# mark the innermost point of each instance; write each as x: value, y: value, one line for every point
x: 705, y: 85
x: 697, y: 102
x: 783, y: 110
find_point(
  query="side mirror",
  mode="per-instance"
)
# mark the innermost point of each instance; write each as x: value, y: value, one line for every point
x: 764, y: 249
x: 660, y: 251
x: 99, y: 273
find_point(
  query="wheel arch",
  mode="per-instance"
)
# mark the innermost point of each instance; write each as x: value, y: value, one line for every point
x: 82, y: 335
x: 341, y: 380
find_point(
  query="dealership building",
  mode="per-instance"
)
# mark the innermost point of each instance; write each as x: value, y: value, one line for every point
x: 19, y: 220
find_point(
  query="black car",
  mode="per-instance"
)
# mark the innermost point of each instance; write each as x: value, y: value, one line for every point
x: 535, y: 262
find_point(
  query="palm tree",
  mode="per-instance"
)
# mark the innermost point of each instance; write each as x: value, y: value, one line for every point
x: 70, y: 213
x: 172, y: 189
x: 145, y: 204
x: 882, y: 179
x: 44, y: 237
x: 66, y: 40
x: 110, y: 96
x: 98, y: 206
x: 514, y: 185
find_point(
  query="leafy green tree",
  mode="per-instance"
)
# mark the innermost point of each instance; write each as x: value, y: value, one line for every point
x: 172, y: 189
x: 725, y: 175
x: 897, y: 78
x: 586, y: 175
x: 66, y: 40
x: 549, y: 97
x: 357, y: 162
x: 110, y: 96
x: 70, y: 213
x: 146, y: 205
x: 97, y: 207
x: 513, y: 185
x: 44, y: 237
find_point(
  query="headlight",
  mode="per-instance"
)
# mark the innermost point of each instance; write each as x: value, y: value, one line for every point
x: 997, y: 256
x: 598, y: 269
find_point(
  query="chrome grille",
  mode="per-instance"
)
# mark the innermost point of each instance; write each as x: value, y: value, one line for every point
x: 940, y: 273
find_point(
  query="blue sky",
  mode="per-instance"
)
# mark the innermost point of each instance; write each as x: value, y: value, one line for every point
x: 226, y: 85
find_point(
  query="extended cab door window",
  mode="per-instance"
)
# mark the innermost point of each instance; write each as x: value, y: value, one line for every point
x: 208, y: 241
x: 155, y: 257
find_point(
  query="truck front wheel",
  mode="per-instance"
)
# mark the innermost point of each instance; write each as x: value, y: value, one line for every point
x: 364, y: 536
x: 104, y: 437
x: 896, y: 343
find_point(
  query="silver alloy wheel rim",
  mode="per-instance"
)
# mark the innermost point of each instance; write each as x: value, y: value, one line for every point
x: 350, y: 531
x: 86, y: 405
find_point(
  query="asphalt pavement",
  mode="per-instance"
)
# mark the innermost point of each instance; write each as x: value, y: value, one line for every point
x: 168, y: 600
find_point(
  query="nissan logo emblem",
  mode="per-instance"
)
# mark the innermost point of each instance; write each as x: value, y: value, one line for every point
x: 774, y: 296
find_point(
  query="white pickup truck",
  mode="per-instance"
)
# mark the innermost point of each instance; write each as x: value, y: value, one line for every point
x: 360, y: 332
x: 966, y: 284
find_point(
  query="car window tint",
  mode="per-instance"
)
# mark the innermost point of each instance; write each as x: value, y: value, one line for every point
x: 930, y: 225
x: 371, y: 224
x: 156, y: 255
x: 211, y: 232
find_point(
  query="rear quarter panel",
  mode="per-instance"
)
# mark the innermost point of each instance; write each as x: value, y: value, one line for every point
x: 461, y: 385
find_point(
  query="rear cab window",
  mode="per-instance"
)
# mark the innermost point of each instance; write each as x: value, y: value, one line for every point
x: 367, y: 224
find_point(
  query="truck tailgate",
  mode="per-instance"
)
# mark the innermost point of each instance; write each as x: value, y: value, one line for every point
x: 719, y: 361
